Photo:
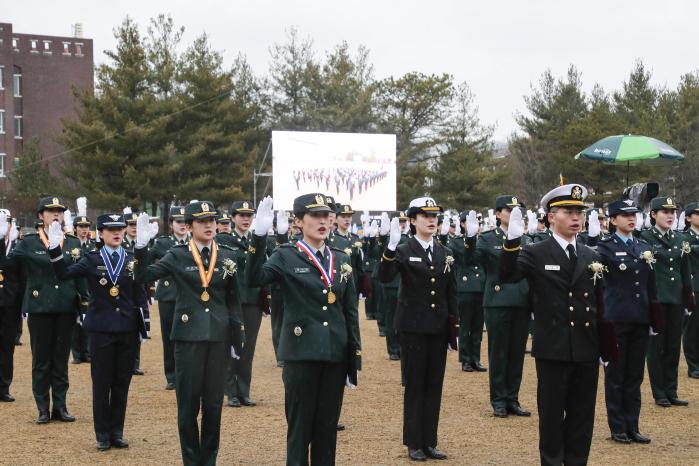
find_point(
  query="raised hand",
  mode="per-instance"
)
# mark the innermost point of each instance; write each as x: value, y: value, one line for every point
x: 142, y: 230
x: 55, y: 234
x: 472, y: 224
x: 516, y: 227
x: 385, y: 224
x: 593, y: 226
x: 282, y: 222
x: 445, y: 225
x: 395, y: 234
x: 265, y: 217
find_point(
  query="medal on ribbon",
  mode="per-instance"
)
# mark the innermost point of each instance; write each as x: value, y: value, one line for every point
x: 204, y: 275
x: 113, y: 271
x: 326, y: 275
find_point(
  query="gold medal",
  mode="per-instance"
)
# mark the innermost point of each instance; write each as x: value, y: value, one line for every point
x: 331, y: 297
x: 205, y: 296
x: 2, y: 277
x: 114, y: 291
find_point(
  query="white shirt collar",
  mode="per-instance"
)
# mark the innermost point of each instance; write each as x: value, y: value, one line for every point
x: 425, y: 244
x: 564, y: 243
x: 200, y: 246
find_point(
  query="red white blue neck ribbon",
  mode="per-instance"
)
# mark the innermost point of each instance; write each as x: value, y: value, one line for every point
x: 326, y: 275
x: 113, y: 272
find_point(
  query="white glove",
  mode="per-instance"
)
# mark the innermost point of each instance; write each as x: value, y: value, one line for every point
x: 602, y: 362
x: 68, y: 221
x: 142, y: 230
x: 491, y: 218
x: 531, y: 222
x: 593, y: 226
x: 3, y: 225
x: 153, y: 229
x: 646, y: 223
x: 445, y: 226
x: 456, y: 221
x: 516, y: 227
x: 385, y: 224
x: 651, y: 332
x: 364, y: 218
x: 395, y: 234
x: 55, y: 234
x: 282, y: 222
x: 681, y: 222
x: 639, y: 221
x: 374, y: 229
x: 471, y: 224
x: 674, y: 223
x: 355, y: 230
x: 686, y: 312
x: 264, y: 218
x: 14, y: 232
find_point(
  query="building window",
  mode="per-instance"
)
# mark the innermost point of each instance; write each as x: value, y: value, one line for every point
x: 15, y: 43
x: 19, y: 130
x: 78, y: 49
x: 17, y: 84
x: 66, y: 48
x: 47, y: 46
x: 2, y: 121
x: 34, y: 44
x: 2, y: 77
x: 2, y: 165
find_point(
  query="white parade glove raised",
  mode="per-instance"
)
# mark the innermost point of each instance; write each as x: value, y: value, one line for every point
x: 142, y: 230
x: 374, y: 229
x: 531, y: 223
x: 516, y: 228
x: 593, y: 226
x: 4, y: 226
x: 265, y: 217
x: 385, y: 224
x: 153, y: 229
x: 282, y: 222
x: 674, y: 224
x: 471, y: 224
x: 646, y: 222
x: 491, y: 218
x: 639, y: 221
x: 456, y: 221
x: 55, y: 234
x: 68, y: 221
x: 395, y: 234
x: 681, y: 222
x: 445, y: 226
x: 14, y: 232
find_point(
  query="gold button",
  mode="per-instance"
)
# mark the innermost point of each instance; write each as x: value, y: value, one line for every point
x: 433, y: 279
x: 587, y: 309
x: 477, y: 275
x: 465, y: 278
x: 431, y: 267
x: 587, y: 324
x: 55, y: 286
x: 570, y: 294
x: 206, y: 310
x: 325, y: 324
x: 571, y: 308
x: 497, y: 288
x: 670, y: 269
x: 325, y: 291
x: 325, y: 308
x: 586, y: 294
x: 672, y: 279
x: 166, y: 283
x: 572, y: 324
x: 432, y: 292
x: 671, y: 259
x: 433, y: 305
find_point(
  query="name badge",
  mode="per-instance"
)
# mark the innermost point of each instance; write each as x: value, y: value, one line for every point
x: 497, y: 247
x: 416, y: 259
x: 190, y: 268
x: 552, y: 267
x: 101, y: 267
x: 622, y: 253
x: 302, y: 270
x: 41, y: 253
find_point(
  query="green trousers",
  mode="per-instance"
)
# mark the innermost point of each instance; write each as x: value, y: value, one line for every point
x: 199, y: 378
x: 239, y: 373
x: 690, y: 341
x: 276, y: 318
x: 507, y: 339
x: 50, y: 336
x: 379, y: 298
x: 166, y: 313
x: 470, y: 327
x: 79, y: 344
x: 664, y: 354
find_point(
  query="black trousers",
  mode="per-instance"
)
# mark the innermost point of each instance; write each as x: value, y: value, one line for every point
x: 664, y: 354
x: 79, y: 344
x: 8, y: 333
x: 113, y: 357
x: 425, y: 359
x: 623, y: 378
x: 312, y: 398
x: 566, y: 393
x: 50, y: 336
x: 392, y: 340
x: 199, y: 378
x: 166, y: 313
x: 239, y: 371
x: 471, y: 321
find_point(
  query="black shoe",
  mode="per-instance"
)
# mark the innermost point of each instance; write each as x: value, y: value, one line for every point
x: 43, y: 417
x: 466, y: 367
x: 638, y: 438
x: 417, y: 455
x: 621, y: 438
x: 678, y: 402
x: 499, y: 412
x: 280, y: 363
x: 432, y: 452
x: 234, y: 402
x: 694, y: 375
x: 246, y: 401
x: 518, y: 411
x: 340, y: 427
x: 664, y: 402
x: 18, y: 342
x: 382, y: 333
x: 62, y: 415
x: 394, y: 357
x: 7, y: 398
x: 104, y: 445
x: 86, y: 359
x: 138, y: 372
x: 119, y: 443
x: 170, y: 386
x: 75, y: 361
x: 479, y: 367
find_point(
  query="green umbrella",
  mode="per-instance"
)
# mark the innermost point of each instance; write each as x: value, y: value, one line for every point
x: 629, y: 148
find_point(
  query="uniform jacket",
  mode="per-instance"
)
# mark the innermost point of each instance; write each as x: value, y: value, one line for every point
x: 693, y: 239
x: 469, y: 274
x: 166, y: 287
x: 240, y: 245
x: 673, y: 278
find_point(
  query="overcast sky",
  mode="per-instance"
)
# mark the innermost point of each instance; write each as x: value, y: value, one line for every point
x: 498, y: 47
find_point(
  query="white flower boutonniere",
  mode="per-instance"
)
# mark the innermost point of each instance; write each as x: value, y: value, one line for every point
x: 686, y: 249
x: 348, y: 251
x: 130, y: 265
x: 598, y: 270
x: 75, y: 254
x: 649, y: 258
x: 358, y: 244
x: 345, y: 271
x: 229, y: 268
x: 449, y: 262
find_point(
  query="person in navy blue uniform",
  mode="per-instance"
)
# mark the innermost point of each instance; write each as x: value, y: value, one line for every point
x: 631, y: 303
x: 114, y: 322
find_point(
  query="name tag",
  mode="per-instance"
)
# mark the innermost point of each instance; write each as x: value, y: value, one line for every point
x: 101, y: 267
x: 621, y: 253
x: 416, y: 259
x: 552, y: 267
x: 41, y: 253
x: 302, y: 270
x: 497, y: 247
x: 190, y: 268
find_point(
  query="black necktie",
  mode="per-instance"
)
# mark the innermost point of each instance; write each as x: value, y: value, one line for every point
x: 571, y: 254
x: 320, y: 257
x: 205, y: 256
x: 429, y: 252
x: 115, y: 258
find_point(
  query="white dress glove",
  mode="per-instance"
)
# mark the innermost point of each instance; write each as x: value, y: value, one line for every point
x: 446, y: 223
x: 282, y: 222
x: 68, y: 221
x: 681, y: 222
x: 142, y: 230
x: 471, y: 224
x: 395, y: 234
x: 55, y: 234
x: 374, y: 229
x: 3, y: 225
x: 646, y: 222
x: 593, y: 226
x: 153, y: 229
x: 14, y: 232
x: 516, y: 227
x: 639, y: 221
x: 385, y: 224
x: 532, y: 223
x: 264, y: 218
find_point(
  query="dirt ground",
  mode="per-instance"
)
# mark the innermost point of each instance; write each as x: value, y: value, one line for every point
x: 373, y: 413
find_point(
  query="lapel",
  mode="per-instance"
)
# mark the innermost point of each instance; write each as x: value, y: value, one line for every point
x: 661, y: 237
x: 581, y: 263
x: 418, y: 250
x: 558, y: 256
x: 438, y: 255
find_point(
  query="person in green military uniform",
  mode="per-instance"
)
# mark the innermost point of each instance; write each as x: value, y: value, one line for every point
x: 506, y: 311
x: 129, y: 244
x: 372, y: 254
x: 470, y: 282
x: 281, y: 226
x: 223, y: 223
x: 349, y: 242
x: 239, y: 374
x: 165, y: 293
x: 671, y: 254
x: 81, y: 226
x: 319, y: 342
x: 690, y: 335
x: 207, y: 322
x: 52, y: 307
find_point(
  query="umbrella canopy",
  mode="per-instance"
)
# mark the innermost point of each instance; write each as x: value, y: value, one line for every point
x: 629, y: 148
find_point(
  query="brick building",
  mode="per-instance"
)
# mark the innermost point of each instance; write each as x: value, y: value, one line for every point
x: 37, y: 76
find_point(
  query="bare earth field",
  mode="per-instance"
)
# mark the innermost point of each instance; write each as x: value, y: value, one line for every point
x: 373, y: 414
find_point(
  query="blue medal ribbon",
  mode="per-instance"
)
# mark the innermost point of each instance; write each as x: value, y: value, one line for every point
x: 113, y: 272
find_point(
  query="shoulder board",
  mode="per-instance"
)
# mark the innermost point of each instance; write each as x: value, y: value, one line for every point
x: 162, y: 236
x: 642, y: 241
x: 31, y: 234
x: 225, y: 246
x: 606, y: 239
x: 333, y: 248
x: 488, y: 233
x: 180, y: 246
x: 287, y: 246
